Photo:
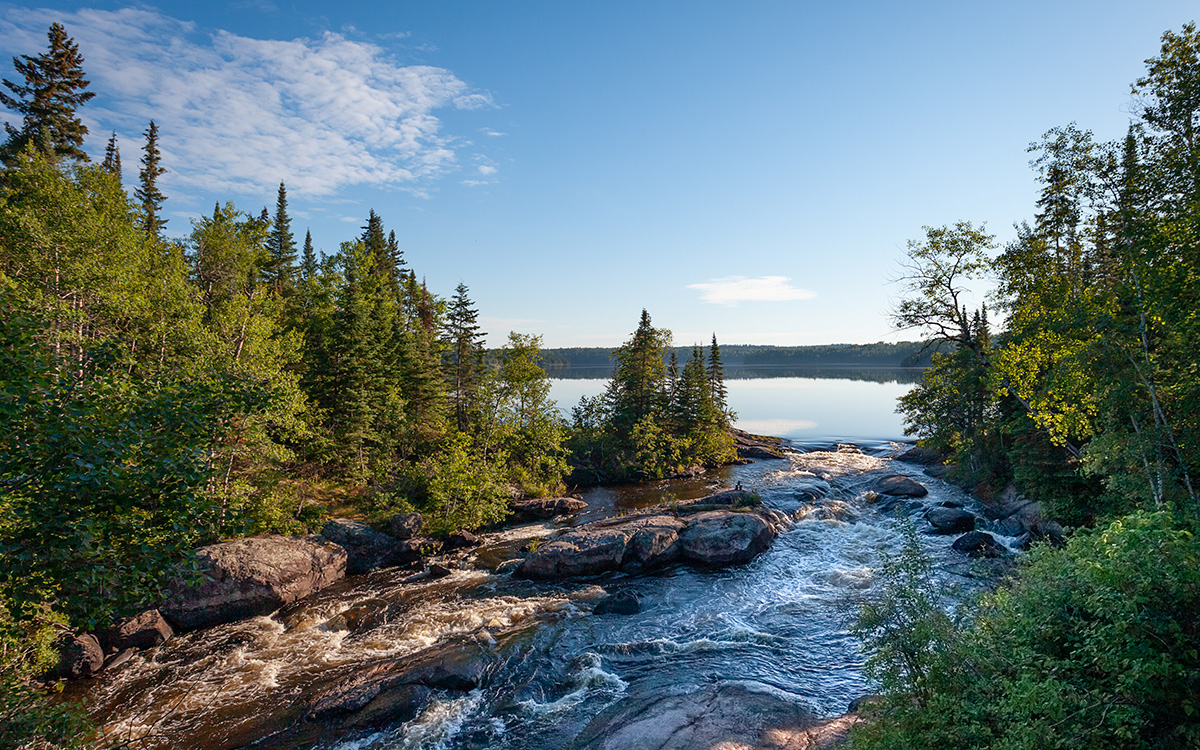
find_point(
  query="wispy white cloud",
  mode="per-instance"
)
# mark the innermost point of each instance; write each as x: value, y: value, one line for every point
x: 487, y: 169
x: 238, y: 114
x: 731, y: 290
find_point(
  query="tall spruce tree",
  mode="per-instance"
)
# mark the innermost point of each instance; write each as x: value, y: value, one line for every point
x: 716, y: 377
x: 636, y: 390
x: 112, y: 157
x: 464, y: 355
x: 280, y: 269
x: 147, y: 192
x: 308, y: 263
x: 53, y: 88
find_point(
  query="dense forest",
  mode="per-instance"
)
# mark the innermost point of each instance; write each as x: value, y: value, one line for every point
x: 1079, y: 383
x: 597, y: 361
x: 158, y: 394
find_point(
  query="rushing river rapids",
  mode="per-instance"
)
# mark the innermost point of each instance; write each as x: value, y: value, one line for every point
x: 778, y: 623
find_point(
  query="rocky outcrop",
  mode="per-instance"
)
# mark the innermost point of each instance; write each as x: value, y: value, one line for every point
x: 366, y: 548
x: 756, y: 446
x: 704, y: 531
x: 950, y: 520
x: 145, y: 630
x: 921, y: 456
x: 406, y: 525
x: 253, y: 576
x: 898, y: 485
x: 532, y: 509
x: 461, y: 540
x: 979, y: 544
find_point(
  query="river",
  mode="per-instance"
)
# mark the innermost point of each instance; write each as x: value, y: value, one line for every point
x: 778, y: 624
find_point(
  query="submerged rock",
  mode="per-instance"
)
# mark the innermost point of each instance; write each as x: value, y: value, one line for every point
x: 253, y: 576
x: 620, y: 603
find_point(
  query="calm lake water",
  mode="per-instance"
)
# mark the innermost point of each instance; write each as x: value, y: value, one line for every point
x: 859, y: 407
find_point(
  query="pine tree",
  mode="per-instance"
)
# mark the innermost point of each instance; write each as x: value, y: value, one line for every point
x: 308, y: 266
x: 148, y: 193
x: 716, y: 377
x: 280, y: 269
x: 53, y: 88
x: 464, y: 360
x: 636, y: 390
x: 395, y: 253
x: 112, y: 157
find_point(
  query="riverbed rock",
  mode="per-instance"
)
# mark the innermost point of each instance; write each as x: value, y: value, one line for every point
x: 366, y: 548
x: 730, y: 715
x: 253, y: 576
x: 620, y: 603
x: 756, y: 446
x: 899, y: 485
x: 78, y: 656
x: 145, y: 630
x: 406, y: 525
x: 921, y: 456
x: 654, y: 542
x: 531, y: 509
x: 950, y: 520
x: 461, y: 540
x: 725, y: 538
x: 979, y: 544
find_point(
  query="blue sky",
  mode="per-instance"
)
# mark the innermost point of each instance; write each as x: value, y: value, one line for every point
x: 752, y: 169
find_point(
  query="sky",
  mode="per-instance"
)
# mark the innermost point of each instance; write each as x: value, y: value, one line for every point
x: 749, y: 169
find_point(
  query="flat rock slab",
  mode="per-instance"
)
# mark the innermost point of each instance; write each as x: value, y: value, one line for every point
x: 898, y: 485
x: 733, y: 715
x: 253, y: 576
x: 543, y: 508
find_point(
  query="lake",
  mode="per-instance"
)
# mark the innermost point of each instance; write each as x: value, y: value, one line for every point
x: 857, y: 406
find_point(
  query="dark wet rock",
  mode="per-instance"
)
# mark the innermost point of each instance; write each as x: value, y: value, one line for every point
x: 461, y: 540
x: 921, y: 456
x: 950, y: 520
x: 899, y: 505
x: 366, y: 548
x: 78, y: 656
x: 725, y: 538
x: 952, y: 504
x: 117, y: 659
x: 253, y: 576
x: 361, y: 616
x: 145, y: 630
x: 392, y: 707
x: 730, y: 715
x: 436, y: 571
x: 459, y: 666
x: 937, y: 472
x: 898, y: 485
x: 620, y: 603
x: 756, y: 446
x: 979, y: 544
x: 406, y: 525
x: 543, y: 508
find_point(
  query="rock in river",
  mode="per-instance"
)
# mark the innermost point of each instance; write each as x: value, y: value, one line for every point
x: 979, y: 544
x: 145, y: 630
x: 253, y: 576
x: 724, y: 538
x: 950, y: 520
x: 542, y: 508
x: 366, y: 548
x: 898, y: 485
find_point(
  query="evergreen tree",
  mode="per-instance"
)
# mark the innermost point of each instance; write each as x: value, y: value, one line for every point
x: 281, y: 247
x: 716, y: 376
x: 395, y: 253
x: 112, y: 157
x: 308, y: 266
x: 639, y: 375
x: 53, y: 88
x: 464, y: 355
x: 147, y: 192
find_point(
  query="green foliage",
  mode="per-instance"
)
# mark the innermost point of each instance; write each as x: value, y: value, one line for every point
x: 1093, y: 646
x: 147, y: 191
x: 53, y: 88
x: 27, y: 649
x: 458, y: 487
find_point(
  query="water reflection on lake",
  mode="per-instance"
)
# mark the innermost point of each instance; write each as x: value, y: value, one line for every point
x: 807, y: 410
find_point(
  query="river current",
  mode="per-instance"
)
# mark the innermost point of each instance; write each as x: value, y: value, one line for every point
x: 779, y: 623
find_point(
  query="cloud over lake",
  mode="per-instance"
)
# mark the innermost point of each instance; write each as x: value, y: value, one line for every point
x: 732, y: 290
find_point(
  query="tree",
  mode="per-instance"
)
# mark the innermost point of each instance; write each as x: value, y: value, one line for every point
x: 53, y: 89
x: 281, y: 247
x: 147, y: 192
x: 464, y: 354
x: 637, y: 390
x: 716, y: 376
x: 112, y: 157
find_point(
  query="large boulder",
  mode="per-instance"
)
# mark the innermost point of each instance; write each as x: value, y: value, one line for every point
x: 253, y: 576
x: 78, y: 656
x: 722, y: 537
x: 979, y: 544
x: 588, y: 550
x: 145, y: 630
x: 655, y: 542
x: 531, y: 509
x: 950, y: 520
x: 366, y: 548
x: 921, y: 456
x: 899, y: 485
